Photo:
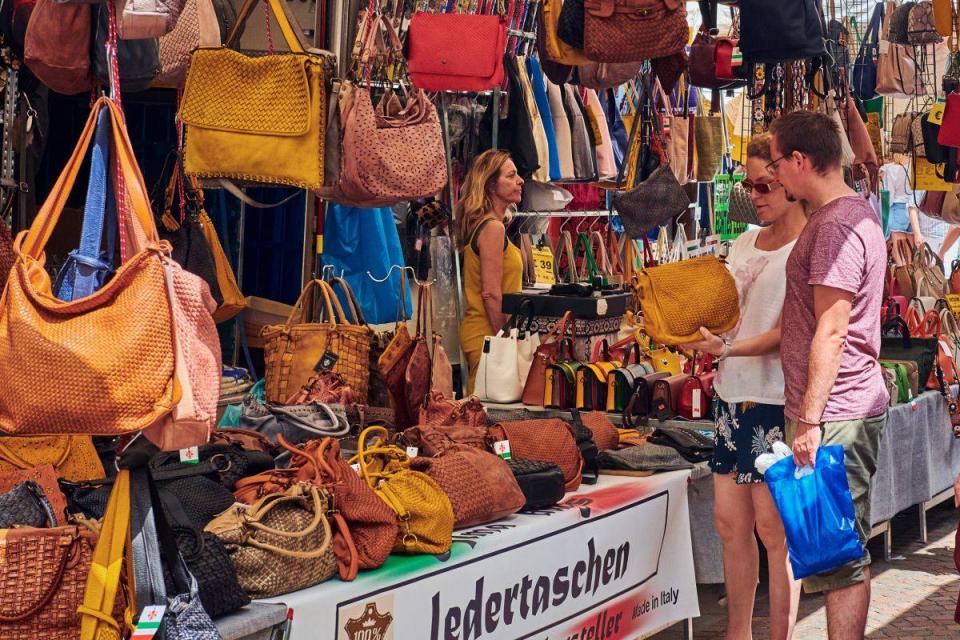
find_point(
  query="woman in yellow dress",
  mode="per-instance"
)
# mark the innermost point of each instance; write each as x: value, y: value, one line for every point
x: 492, y: 265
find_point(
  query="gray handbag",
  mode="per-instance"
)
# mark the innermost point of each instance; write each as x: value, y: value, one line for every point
x: 656, y: 200
x: 742, y: 208
x: 297, y: 423
x: 644, y: 457
x: 26, y: 505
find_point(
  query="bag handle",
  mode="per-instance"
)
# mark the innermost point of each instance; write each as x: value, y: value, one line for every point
x: 65, y: 553
x: 356, y: 312
x: 31, y: 242
x: 9, y: 455
x: 334, y: 311
x: 558, y: 330
x: 290, y: 34
x: 318, y: 520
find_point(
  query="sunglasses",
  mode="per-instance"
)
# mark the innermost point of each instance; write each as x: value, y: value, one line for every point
x: 762, y: 188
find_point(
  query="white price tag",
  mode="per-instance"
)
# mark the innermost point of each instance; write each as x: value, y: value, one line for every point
x: 356, y: 467
x: 697, y: 413
x: 190, y: 455
x: 884, y: 46
x: 502, y: 449
x: 412, y: 451
x: 149, y: 622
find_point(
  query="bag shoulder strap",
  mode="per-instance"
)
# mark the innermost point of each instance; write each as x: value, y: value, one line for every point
x: 476, y: 233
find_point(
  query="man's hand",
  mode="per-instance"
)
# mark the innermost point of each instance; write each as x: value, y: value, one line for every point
x: 711, y: 343
x: 805, y: 444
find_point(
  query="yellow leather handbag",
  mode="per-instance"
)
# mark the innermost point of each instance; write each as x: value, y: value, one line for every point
x: 102, y: 364
x: 233, y: 300
x: 73, y: 457
x: 257, y: 119
x: 680, y: 297
x: 423, y: 509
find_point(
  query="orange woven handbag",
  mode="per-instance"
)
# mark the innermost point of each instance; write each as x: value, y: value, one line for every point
x: 546, y: 440
x: 102, y: 364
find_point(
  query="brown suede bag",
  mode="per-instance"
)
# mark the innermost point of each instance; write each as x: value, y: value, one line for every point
x: 57, y: 46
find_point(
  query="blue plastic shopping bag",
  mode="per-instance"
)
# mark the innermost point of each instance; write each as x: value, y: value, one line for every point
x: 817, y: 512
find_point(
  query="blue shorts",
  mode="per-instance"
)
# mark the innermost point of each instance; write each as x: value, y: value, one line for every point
x: 899, y: 220
x: 745, y: 430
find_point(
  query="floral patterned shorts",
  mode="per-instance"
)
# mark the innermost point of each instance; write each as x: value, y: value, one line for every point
x: 745, y: 430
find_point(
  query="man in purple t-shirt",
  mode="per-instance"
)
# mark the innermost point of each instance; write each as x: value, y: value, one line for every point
x: 835, y: 393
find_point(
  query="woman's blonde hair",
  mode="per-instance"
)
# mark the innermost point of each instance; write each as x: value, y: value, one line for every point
x: 759, y: 147
x: 476, y: 193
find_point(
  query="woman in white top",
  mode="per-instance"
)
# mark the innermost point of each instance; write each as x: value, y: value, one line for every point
x: 749, y: 406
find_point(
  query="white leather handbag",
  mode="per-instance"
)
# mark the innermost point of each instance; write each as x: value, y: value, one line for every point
x: 506, y: 359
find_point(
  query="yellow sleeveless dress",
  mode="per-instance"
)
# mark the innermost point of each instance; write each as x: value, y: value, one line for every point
x: 475, y: 325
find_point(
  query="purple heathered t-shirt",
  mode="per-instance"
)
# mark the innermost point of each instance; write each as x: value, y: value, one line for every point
x: 842, y: 246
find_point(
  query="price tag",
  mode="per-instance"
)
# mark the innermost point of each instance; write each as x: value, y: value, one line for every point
x: 190, y: 455
x: 697, y: 413
x: 149, y: 622
x: 356, y: 467
x: 936, y: 112
x: 543, y: 266
x: 502, y: 449
x: 736, y: 58
x: 326, y: 362
x: 412, y: 452
x: 884, y: 46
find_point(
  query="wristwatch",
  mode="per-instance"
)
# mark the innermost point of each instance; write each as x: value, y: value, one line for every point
x: 727, y: 345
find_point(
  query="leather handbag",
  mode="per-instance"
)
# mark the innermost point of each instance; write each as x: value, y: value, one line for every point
x: 943, y: 16
x: 73, y: 457
x: 570, y: 23
x: 479, y: 484
x: 697, y: 394
x: 369, y: 525
x: 542, y: 483
x: 325, y: 387
x: 42, y: 582
x: 197, y: 27
x: 512, y: 348
x: 559, y: 50
x: 57, y: 45
x: 392, y: 363
x: 428, y: 370
x: 26, y: 505
x: 138, y: 61
x: 547, y: 440
x: 898, y: 31
x: 665, y: 397
x: 949, y: 135
x: 257, y: 119
x: 640, y: 405
x: 911, y: 374
x: 456, y: 51
x: 711, y: 60
x: 921, y: 25
x: 391, y: 151
x: 864, y: 78
x: 292, y: 351
x: 423, y: 510
x: 280, y: 543
x: 591, y: 380
x: 897, y: 344
x: 121, y: 340
x: 897, y: 74
x: 621, y: 382
x: 604, y: 433
x: 296, y: 423
x: 545, y: 355
x: 441, y: 411
x: 560, y: 388
x: 233, y: 300
x: 607, y: 75
x: 632, y: 30
x: 679, y: 298
x: 709, y: 143
x: 45, y: 477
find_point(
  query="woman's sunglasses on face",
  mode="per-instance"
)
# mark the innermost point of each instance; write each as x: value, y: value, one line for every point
x: 763, y: 188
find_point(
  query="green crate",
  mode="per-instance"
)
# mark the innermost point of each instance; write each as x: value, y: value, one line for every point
x: 726, y: 228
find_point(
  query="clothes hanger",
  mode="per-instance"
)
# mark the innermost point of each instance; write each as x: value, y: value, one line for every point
x: 413, y: 275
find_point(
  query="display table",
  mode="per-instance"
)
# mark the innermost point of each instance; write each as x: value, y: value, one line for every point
x: 256, y: 621
x: 613, y: 560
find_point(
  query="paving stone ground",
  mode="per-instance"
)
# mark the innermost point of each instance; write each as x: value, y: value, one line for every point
x: 914, y: 594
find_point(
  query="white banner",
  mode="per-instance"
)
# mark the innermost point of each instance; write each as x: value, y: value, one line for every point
x: 612, y: 561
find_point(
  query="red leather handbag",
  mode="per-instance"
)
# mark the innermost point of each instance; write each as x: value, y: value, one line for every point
x: 949, y: 135
x: 456, y: 51
x: 695, y: 396
x: 723, y: 58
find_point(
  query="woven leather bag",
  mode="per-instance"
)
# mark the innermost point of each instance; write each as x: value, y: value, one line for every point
x: 546, y: 440
x: 42, y: 581
x: 679, y: 298
x: 441, y: 411
x: 56, y: 46
x: 480, y: 485
x: 391, y: 154
x: 293, y: 350
x: 604, y: 433
x: 570, y: 24
x: 119, y: 340
x: 921, y: 24
x: 899, y: 28
x: 256, y: 119
x: 423, y: 510
x: 632, y: 30
x: 143, y: 19
x: 709, y: 143
x: 364, y: 538
x: 25, y: 505
x: 280, y: 543
x: 7, y: 257
x: 900, y: 133
x: 197, y: 27
x: 456, y: 51
x: 654, y: 201
x: 46, y: 478
x: 73, y: 457
x: 559, y: 50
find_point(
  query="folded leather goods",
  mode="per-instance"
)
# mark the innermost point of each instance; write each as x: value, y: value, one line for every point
x: 644, y: 457
x: 691, y: 444
x: 541, y: 482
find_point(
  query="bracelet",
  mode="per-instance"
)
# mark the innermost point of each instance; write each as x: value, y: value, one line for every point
x: 727, y: 346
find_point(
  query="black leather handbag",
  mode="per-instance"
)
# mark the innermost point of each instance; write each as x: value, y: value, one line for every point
x: 542, y: 483
x: 570, y: 23
x: 138, y: 61
x: 26, y: 505
x: 897, y: 344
